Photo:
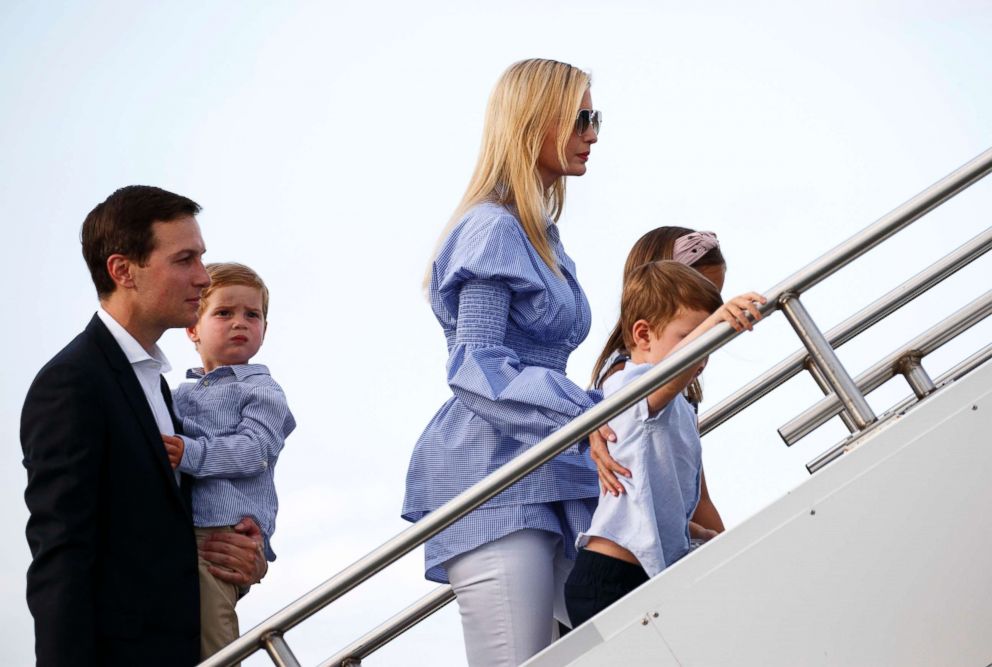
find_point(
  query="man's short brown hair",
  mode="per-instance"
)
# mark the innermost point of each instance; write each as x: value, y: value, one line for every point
x: 224, y: 274
x: 122, y: 225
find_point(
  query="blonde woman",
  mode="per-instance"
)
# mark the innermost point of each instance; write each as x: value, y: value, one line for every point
x: 508, y: 300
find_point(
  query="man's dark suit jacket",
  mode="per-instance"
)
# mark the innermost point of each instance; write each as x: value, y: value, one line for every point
x: 113, y: 579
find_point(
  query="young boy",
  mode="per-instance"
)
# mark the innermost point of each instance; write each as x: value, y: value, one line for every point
x: 235, y: 420
x: 637, y: 534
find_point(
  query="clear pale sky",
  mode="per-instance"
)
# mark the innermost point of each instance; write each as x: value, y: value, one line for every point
x: 329, y: 142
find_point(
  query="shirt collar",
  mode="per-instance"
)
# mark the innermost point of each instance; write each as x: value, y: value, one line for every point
x: 240, y: 371
x: 132, y: 349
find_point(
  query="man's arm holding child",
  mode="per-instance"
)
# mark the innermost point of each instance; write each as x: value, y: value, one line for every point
x: 237, y: 558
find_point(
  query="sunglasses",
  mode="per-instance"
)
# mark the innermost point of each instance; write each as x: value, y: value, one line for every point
x: 586, y: 118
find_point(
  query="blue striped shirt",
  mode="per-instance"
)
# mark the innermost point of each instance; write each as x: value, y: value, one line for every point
x: 235, y: 421
x: 510, y: 323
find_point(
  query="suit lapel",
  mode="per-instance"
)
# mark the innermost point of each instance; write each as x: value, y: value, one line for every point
x: 135, y: 397
x: 186, y: 482
x: 167, y: 395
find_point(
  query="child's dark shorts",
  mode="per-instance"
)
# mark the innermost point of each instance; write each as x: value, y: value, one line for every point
x: 596, y: 582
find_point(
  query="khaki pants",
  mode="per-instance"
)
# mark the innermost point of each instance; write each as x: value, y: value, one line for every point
x: 218, y: 620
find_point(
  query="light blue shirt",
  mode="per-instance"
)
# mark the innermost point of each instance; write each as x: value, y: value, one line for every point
x: 664, y: 455
x: 510, y: 324
x: 235, y: 421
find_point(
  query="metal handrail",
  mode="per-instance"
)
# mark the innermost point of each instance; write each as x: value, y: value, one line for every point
x: 825, y: 358
x: 389, y: 630
x: 922, y: 345
x: 791, y: 366
x: 859, y: 322
x: 953, y: 374
x: 474, y: 496
x: 580, y: 427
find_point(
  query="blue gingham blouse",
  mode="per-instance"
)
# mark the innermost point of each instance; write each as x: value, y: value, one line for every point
x: 510, y: 325
x: 235, y: 422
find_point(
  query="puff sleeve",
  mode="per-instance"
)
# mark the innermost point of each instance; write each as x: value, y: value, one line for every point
x: 487, y: 276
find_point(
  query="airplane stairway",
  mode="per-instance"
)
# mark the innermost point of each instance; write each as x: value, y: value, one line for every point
x: 881, y: 558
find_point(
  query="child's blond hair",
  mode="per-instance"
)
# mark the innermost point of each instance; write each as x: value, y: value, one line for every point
x: 225, y: 274
x: 657, y: 291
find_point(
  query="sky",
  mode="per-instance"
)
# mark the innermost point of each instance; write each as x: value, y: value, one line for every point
x: 328, y: 144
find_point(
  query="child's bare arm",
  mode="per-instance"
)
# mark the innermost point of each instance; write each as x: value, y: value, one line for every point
x: 735, y: 312
x: 662, y: 396
x: 706, y: 514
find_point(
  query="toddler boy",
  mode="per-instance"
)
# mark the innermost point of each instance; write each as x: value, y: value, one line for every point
x: 235, y: 420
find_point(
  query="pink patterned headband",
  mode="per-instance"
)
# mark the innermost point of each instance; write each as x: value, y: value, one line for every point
x: 689, y: 248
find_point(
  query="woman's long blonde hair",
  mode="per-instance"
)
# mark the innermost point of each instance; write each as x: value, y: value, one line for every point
x: 531, y: 98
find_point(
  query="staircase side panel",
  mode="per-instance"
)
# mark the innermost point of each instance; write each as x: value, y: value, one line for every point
x: 882, y: 558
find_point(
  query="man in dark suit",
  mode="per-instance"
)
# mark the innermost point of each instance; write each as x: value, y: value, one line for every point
x: 113, y: 580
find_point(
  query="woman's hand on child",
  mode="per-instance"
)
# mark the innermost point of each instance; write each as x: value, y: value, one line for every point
x: 173, y: 448
x: 735, y: 311
x: 606, y: 465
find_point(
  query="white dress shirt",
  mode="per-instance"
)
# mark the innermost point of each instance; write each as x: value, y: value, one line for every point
x: 147, y: 367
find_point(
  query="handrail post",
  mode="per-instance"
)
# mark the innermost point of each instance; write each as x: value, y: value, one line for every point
x: 279, y: 651
x: 871, y: 379
x: 821, y: 382
x: 918, y: 380
x: 834, y: 373
x: 849, y: 328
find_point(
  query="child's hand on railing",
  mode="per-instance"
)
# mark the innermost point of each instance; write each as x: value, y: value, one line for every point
x: 735, y: 311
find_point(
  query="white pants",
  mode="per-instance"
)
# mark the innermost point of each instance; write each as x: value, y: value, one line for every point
x: 509, y: 592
